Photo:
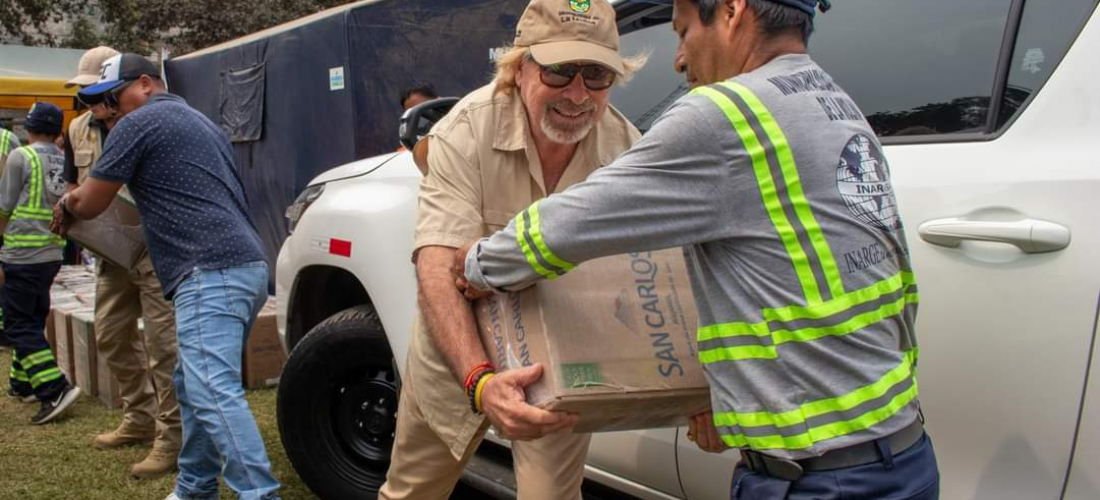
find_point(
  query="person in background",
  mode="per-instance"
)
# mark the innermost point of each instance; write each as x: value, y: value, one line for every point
x: 8, y: 143
x: 31, y: 258
x: 417, y: 93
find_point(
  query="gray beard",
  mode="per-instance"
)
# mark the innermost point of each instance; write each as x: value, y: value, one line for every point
x: 564, y: 136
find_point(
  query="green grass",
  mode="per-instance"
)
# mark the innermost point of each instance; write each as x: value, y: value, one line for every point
x: 58, y: 462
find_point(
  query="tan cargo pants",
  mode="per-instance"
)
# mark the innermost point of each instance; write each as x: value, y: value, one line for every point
x: 142, y: 364
x: 423, y: 468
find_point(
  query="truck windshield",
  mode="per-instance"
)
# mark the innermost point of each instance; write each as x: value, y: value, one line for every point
x: 656, y: 86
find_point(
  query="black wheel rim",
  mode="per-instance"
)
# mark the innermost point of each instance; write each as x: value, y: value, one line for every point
x: 365, y: 415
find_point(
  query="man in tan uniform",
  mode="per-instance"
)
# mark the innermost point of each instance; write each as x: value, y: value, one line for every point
x: 142, y: 362
x: 542, y: 125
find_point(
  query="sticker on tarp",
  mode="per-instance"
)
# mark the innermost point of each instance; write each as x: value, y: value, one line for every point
x: 336, y: 78
x: 581, y: 375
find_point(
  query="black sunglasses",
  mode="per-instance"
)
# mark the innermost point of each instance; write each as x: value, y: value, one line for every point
x: 595, y: 76
x: 89, y: 101
x: 111, y: 98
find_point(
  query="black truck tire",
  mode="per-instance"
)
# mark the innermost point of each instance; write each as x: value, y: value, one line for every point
x: 337, y: 405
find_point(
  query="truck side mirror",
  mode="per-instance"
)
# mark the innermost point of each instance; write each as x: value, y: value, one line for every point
x: 417, y: 121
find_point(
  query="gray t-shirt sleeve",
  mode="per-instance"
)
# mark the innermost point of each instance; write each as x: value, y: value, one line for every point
x: 674, y: 187
x: 11, y: 183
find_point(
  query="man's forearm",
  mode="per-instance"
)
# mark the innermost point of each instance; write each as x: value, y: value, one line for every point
x: 450, y: 318
x: 90, y: 199
x: 73, y: 204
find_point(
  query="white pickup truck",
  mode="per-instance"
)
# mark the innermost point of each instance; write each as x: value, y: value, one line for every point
x: 989, y: 111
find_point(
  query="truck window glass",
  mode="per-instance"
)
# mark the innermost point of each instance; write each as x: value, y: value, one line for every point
x: 1047, y: 29
x: 656, y: 86
x: 914, y: 68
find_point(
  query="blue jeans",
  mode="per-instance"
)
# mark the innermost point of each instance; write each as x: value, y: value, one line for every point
x: 909, y: 475
x: 215, y: 309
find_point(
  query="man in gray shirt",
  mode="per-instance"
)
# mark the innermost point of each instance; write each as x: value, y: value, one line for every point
x: 777, y: 188
x: 31, y: 257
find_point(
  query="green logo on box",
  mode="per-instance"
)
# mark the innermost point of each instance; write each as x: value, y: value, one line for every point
x: 581, y: 375
x: 580, y: 6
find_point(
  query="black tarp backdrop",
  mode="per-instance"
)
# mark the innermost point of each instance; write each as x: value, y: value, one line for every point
x: 280, y: 95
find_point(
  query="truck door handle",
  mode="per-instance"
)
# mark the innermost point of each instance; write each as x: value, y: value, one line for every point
x: 1029, y: 235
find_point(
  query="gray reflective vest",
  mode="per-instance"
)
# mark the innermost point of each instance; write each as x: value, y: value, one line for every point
x: 5, y: 146
x: 32, y: 235
x: 828, y: 307
x: 5, y: 142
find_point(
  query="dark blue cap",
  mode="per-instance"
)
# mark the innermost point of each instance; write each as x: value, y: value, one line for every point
x: 807, y: 6
x: 44, y: 118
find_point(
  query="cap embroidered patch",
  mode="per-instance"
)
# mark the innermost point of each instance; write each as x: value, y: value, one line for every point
x: 580, y: 6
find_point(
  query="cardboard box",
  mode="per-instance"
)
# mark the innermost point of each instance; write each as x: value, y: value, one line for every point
x: 616, y: 338
x: 263, y: 357
x: 85, y: 354
x: 115, y: 235
x: 59, y: 303
x: 51, y: 333
x: 66, y: 359
x: 62, y: 341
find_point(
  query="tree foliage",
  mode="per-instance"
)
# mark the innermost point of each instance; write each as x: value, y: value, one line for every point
x: 195, y: 24
x: 83, y: 34
x: 143, y: 26
x: 29, y: 21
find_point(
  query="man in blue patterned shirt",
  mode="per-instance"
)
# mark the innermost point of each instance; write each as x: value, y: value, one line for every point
x: 178, y: 166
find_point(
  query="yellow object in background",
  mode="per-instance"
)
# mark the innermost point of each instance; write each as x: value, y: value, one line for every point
x: 36, y: 74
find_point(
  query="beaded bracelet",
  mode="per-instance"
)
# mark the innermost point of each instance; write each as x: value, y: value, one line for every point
x: 474, y: 373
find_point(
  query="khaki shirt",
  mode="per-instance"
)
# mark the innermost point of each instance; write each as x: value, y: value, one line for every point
x: 87, y: 145
x: 484, y: 170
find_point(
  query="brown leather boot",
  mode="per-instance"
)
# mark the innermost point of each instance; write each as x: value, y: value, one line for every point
x: 160, y: 462
x: 124, y: 436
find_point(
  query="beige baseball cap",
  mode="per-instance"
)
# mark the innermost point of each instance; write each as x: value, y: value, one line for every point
x: 560, y: 31
x: 87, y: 71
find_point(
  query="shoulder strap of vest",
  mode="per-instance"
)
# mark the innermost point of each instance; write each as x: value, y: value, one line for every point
x: 36, y: 180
